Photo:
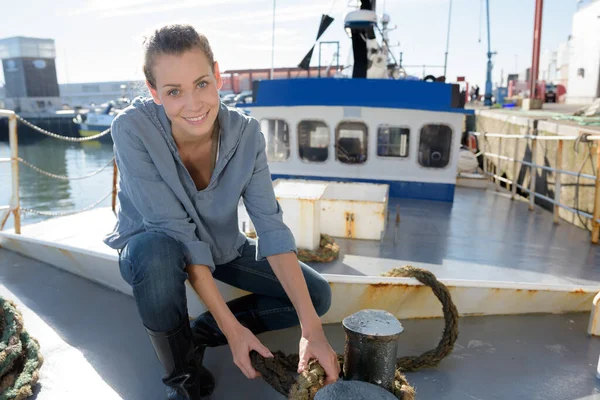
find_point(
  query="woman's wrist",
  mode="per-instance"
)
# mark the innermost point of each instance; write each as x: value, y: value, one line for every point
x: 311, y: 325
x: 229, y: 326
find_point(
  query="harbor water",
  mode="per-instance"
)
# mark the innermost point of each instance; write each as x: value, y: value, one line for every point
x: 43, y: 193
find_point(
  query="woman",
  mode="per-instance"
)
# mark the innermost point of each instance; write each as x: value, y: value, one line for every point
x: 185, y: 160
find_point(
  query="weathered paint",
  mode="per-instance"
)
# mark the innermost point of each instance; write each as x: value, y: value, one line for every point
x: 349, y: 225
x: 405, y: 298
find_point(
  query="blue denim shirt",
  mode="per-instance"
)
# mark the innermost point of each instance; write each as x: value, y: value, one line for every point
x: 157, y: 194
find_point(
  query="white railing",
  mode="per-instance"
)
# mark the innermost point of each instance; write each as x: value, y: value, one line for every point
x: 14, y: 207
x: 531, y: 190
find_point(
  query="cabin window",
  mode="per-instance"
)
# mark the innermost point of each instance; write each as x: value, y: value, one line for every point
x: 351, y: 142
x: 435, y: 145
x: 277, y: 136
x: 313, y: 141
x: 392, y: 141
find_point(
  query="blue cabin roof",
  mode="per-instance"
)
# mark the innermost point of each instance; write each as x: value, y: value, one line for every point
x: 382, y: 93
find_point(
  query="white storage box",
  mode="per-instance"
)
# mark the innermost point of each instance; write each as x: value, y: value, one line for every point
x: 299, y: 200
x: 354, y: 210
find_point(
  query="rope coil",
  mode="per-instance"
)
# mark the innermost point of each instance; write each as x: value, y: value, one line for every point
x: 280, y: 371
x: 20, y: 357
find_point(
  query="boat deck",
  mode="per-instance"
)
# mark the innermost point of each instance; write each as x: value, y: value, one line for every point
x: 481, y: 236
x: 95, y: 348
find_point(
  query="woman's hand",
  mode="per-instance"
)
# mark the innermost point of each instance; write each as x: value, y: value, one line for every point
x: 315, y: 346
x: 241, y: 342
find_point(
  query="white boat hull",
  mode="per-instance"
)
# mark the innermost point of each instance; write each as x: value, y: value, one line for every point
x: 406, y: 298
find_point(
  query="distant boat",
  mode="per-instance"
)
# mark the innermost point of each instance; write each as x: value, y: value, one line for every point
x: 99, y: 118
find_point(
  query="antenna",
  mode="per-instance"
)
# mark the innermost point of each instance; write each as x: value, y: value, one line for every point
x: 480, y: 18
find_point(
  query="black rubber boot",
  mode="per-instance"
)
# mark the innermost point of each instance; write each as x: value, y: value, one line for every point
x: 206, y: 332
x: 185, y: 376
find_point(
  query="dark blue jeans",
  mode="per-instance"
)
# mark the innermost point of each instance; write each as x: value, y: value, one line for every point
x: 154, y: 265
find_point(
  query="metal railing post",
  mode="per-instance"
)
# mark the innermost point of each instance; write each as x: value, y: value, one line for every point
x: 557, y: 179
x: 14, y: 156
x: 114, y: 186
x: 499, y: 168
x: 596, y: 214
x: 533, y: 166
x: 485, y: 165
x: 513, y: 189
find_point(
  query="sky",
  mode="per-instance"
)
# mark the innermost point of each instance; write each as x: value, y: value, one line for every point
x: 100, y: 40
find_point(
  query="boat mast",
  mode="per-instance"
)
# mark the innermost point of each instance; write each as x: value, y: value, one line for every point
x: 488, y: 80
x: 448, y: 38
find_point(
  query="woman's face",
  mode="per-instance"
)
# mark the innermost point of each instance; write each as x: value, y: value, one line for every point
x: 188, y: 90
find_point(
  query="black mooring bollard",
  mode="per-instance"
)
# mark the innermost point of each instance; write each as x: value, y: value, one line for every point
x: 371, y: 346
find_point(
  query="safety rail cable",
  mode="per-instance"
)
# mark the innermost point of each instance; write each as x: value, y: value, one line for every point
x: 548, y: 199
x: 544, y: 167
x: 61, y: 137
x: 586, y: 138
x: 536, y: 137
x: 9, y: 208
x: 66, y: 213
x: 64, y: 177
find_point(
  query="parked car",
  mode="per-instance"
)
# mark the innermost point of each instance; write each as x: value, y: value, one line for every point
x: 551, y: 95
x: 244, y: 97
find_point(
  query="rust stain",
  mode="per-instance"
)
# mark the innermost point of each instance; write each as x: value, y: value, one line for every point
x: 579, y: 291
x: 349, y: 224
x: 68, y: 254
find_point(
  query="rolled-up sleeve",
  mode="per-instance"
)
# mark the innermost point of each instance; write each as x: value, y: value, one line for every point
x: 274, y: 237
x: 154, y: 200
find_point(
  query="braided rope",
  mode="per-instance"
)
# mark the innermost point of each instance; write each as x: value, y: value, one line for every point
x: 64, y: 177
x: 280, y: 371
x: 61, y: 137
x: 328, y: 250
x: 20, y: 357
x: 65, y: 213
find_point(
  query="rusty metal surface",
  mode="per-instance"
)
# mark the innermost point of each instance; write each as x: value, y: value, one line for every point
x: 404, y: 297
x: 349, y: 225
x: 408, y: 299
x: 371, y: 347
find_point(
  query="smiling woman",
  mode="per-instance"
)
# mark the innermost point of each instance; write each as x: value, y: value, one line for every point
x: 185, y: 82
x: 185, y: 160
